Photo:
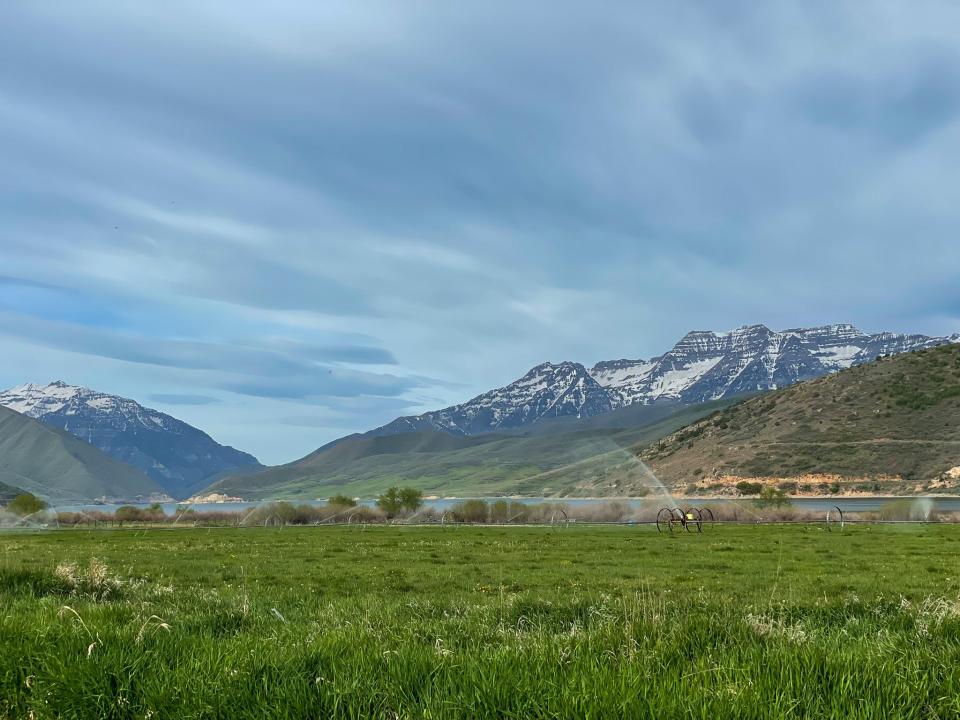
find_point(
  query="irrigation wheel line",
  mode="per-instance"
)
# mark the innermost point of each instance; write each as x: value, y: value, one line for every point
x: 564, y: 522
x: 834, y: 519
x: 692, y: 518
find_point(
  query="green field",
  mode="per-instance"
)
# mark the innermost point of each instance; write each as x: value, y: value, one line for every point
x: 603, y: 622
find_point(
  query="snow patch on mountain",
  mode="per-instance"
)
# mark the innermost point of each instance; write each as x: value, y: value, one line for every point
x: 548, y: 390
x: 703, y: 366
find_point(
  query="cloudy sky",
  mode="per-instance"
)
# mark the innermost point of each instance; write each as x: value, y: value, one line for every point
x: 284, y: 222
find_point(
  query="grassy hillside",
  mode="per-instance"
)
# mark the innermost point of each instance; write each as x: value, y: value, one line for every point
x: 893, y: 424
x: 590, y: 460
x: 57, y: 466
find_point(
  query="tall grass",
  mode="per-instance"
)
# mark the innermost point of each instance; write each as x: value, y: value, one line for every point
x: 750, y: 622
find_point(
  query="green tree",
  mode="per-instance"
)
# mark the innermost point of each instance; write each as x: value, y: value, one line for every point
x: 341, y: 501
x: 772, y: 497
x: 411, y: 498
x: 390, y: 502
x: 26, y: 504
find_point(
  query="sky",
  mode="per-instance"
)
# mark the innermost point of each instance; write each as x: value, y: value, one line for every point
x: 284, y: 222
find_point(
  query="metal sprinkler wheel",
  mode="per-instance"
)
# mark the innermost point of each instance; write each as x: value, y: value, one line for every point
x: 692, y: 520
x: 834, y: 519
x: 667, y: 518
x: 559, y: 519
x: 706, y: 516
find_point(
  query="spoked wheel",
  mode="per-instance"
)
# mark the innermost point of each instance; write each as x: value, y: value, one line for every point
x: 706, y: 516
x: 665, y: 520
x: 834, y: 519
x: 692, y: 520
x: 559, y: 519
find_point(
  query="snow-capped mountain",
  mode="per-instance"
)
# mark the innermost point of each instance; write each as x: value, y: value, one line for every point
x: 703, y: 366
x: 548, y: 390
x: 707, y: 365
x: 178, y: 456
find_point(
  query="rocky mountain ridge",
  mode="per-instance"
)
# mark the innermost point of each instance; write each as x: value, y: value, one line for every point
x: 701, y: 367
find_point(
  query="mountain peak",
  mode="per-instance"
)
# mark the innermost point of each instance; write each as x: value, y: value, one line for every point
x: 749, y: 329
x: 562, y: 365
x: 176, y: 455
x: 546, y: 390
x: 704, y: 365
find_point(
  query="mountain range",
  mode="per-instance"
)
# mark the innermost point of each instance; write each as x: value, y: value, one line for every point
x: 534, y: 435
x: 563, y: 429
x: 703, y: 366
x: 178, y: 457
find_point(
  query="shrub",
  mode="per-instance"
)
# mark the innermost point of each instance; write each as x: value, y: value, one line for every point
x: 500, y: 511
x: 547, y: 512
x: 126, y: 513
x: 366, y: 514
x: 519, y: 512
x: 130, y: 513
x: 905, y: 509
x: 749, y: 488
x: 471, y: 511
x: 341, y: 501
x: 276, y: 513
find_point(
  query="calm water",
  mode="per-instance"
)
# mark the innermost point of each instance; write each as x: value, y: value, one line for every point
x: 857, y: 504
